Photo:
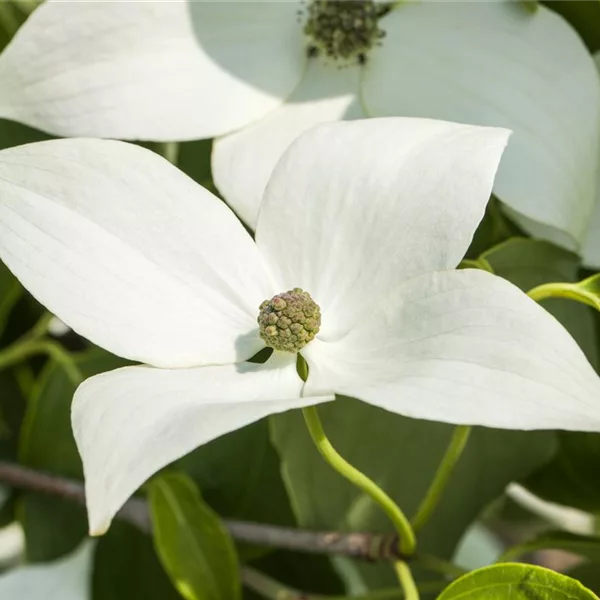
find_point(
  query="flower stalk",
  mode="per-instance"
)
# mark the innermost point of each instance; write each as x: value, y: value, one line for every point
x: 432, y: 498
x: 34, y: 343
x: 407, y: 541
x: 407, y: 581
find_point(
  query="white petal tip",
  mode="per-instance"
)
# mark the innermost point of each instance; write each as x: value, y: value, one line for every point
x: 99, y: 530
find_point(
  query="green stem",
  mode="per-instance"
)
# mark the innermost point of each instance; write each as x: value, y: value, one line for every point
x: 23, y: 349
x: 476, y: 263
x: 40, y: 329
x: 267, y: 587
x: 406, y: 580
x: 563, y: 290
x: 170, y: 150
x: 344, y: 468
x: 460, y: 436
x: 439, y: 565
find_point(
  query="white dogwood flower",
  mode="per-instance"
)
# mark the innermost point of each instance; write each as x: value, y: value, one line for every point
x: 266, y: 71
x: 361, y: 225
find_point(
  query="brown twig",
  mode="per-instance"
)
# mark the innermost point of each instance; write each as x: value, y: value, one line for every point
x: 365, y: 546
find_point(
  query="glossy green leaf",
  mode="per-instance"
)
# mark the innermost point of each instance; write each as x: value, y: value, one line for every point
x: 194, y: 547
x: 516, y: 582
x: 584, y: 545
x: 401, y: 455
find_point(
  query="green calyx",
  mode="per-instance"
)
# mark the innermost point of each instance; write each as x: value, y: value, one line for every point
x: 344, y: 29
x: 288, y: 321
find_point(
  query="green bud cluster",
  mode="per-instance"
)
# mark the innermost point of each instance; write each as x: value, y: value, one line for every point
x: 344, y: 29
x: 288, y: 321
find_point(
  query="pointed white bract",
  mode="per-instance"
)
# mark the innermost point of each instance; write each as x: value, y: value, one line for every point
x: 242, y: 162
x: 150, y: 70
x: 133, y: 421
x: 185, y: 70
x: 69, y: 578
x: 462, y: 347
x: 368, y: 216
x: 137, y: 257
x: 496, y: 63
x: 591, y: 248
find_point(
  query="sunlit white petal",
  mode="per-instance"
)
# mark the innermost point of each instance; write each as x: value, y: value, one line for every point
x: 130, y: 252
x: 130, y: 423
x: 151, y: 70
x: 242, y: 162
x: 495, y: 63
x: 353, y: 208
x: 462, y: 347
x: 66, y: 579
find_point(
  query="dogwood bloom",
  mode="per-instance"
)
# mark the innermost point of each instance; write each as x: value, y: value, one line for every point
x: 360, y: 226
x: 264, y: 72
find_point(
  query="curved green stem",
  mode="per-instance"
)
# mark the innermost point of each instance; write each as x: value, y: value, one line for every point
x: 26, y: 348
x: 360, y: 480
x: 460, y: 436
x: 406, y: 580
x: 476, y: 263
x: 570, y: 291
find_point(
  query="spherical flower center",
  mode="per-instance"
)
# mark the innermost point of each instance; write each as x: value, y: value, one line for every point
x: 344, y: 29
x: 289, y: 321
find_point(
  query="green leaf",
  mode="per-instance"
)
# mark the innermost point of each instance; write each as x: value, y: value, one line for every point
x: 239, y: 474
x: 10, y: 292
x: 401, y: 455
x: 588, y: 574
x: 571, y: 478
x: 529, y: 263
x: 14, y: 134
x: 583, y: 15
x: 586, y: 546
x: 126, y: 567
x: 195, y: 549
x: 52, y: 526
x: 495, y: 227
x: 516, y: 582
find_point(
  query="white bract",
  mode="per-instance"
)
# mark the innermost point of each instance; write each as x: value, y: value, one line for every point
x: 66, y: 579
x: 368, y: 216
x: 186, y: 70
x: 591, y: 246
